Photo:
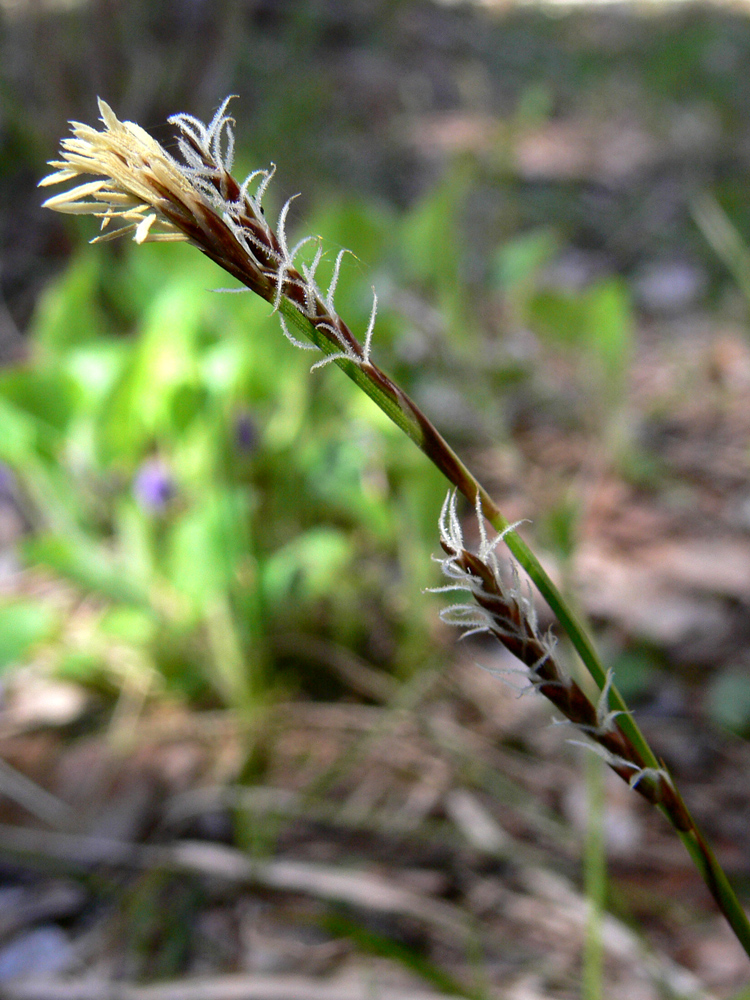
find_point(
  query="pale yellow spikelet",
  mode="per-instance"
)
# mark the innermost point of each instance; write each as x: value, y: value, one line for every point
x: 133, y: 185
x: 139, y: 181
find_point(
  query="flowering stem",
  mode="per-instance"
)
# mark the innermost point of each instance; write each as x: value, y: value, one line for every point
x: 405, y: 413
x: 144, y: 190
x: 595, y: 880
x: 394, y: 402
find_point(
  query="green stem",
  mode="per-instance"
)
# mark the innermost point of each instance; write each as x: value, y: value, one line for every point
x: 718, y: 884
x: 407, y: 416
x: 594, y: 879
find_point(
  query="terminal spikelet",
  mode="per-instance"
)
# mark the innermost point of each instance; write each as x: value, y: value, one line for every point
x: 140, y: 188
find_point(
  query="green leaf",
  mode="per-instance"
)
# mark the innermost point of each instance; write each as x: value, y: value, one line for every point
x: 159, y: 389
x: 306, y: 568
x: 519, y: 261
x: 729, y: 701
x: 18, y: 434
x: 23, y: 624
x: 44, y: 391
x: 360, y: 226
x: 136, y: 626
x: 597, y: 324
x: 94, y: 368
x: 609, y: 326
x: 86, y: 564
x: 68, y: 311
x: 206, y: 545
x: 432, y: 242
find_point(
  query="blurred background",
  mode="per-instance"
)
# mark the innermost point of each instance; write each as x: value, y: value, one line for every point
x: 213, y: 619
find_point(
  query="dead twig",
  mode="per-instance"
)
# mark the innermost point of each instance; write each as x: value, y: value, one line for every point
x: 34, y: 799
x: 236, y: 987
x: 359, y: 889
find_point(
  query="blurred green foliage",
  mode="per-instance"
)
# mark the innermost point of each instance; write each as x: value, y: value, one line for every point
x: 729, y: 700
x: 195, y: 498
x: 594, y: 324
x: 181, y: 466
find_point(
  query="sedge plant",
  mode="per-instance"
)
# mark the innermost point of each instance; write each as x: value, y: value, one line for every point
x: 134, y: 186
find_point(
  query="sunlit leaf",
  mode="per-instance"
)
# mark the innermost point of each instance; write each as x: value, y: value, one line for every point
x: 23, y: 624
x: 307, y: 567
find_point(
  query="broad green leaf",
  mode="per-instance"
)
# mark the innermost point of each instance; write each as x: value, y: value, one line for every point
x: 95, y: 367
x: 160, y: 387
x: 23, y: 624
x: 609, y: 321
x: 87, y: 564
x: 44, y: 390
x: 205, y: 545
x: 68, y: 311
x: 596, y: 323
x: 519, y: 261
x: 307, y: 567
x: 18, y: 434
x: 433, y: 243
x: 136, y: 626
x: 729, y: 700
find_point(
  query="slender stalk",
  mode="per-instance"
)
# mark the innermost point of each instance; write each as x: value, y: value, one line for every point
x: 595, y: 880
x: 407, y: 415
x: 145, y: 191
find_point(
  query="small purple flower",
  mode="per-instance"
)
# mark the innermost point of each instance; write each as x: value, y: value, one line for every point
x: 7, y: 482
x: 153, y: 485
x: 245, y: 433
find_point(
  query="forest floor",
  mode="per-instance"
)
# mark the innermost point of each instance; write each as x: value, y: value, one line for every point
x: 425, y: 838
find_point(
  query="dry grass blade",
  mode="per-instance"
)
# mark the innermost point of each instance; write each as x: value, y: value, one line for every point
x: 35, y: 799
x: 480, y: 829
x: 359, y: 889
x: 238, y: 987
x: 562, y: 904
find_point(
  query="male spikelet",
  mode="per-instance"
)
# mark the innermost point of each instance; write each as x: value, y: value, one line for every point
x: 142, y: 189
